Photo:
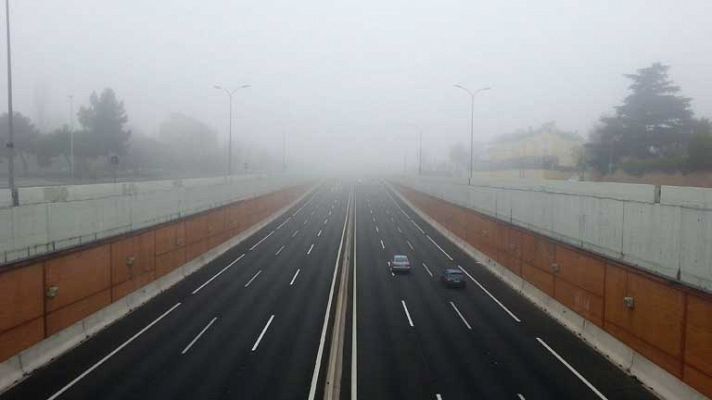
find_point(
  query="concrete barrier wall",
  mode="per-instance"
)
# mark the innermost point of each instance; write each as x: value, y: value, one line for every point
x: 60, y: 217
x: 47, y: 297
x: 666, y: 233
x: 669, y: 324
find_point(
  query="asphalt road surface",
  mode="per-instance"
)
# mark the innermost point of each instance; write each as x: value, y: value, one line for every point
x: 254, y: 323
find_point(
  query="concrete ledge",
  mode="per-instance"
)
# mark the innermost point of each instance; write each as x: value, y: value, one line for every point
x: 652, y: 376
x: 14, y: 369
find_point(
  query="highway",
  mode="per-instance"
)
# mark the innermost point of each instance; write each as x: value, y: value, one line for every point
x: 255, y: 323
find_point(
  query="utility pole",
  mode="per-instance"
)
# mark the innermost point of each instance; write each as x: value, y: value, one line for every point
x: 71, y: 137
x: 229, y: 140
x: 10, y: 115
x: 284, y: 151
x: 472, y: 123
x: 420, y: 153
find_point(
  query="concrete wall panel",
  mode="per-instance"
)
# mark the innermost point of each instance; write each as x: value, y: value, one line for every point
x: 589, y: 305
x: 21, y: 296
x: 68, y: 315
x: 698, y: 338
x: 20, y: 337
x: 78, y: 275
x: 170, y: 237
x: 580, y: 270
x: 169, y: 261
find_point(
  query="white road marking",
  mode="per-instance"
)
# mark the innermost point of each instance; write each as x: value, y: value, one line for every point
x: 322, y: 340
x: 520, y: 396
x: 216, y: 275
x: 305, y: 221
x: 407, y: 314
x: 374, y: 219
x: 578, y: 375
x: 329, y: 212
x: 428, y: 269
x: 326, y: 220
x: 318, y: 234
x: 377, y: 230
x: 460, y: 314
x: 371, y: 211
x: 438, y: 246
x: 262, y: 240
x: 259, y: 339
x: 279, y: 251
x: 410, y: 245
x: 253, y: 278
x: 285, y: 221
x: 108, y: 356
x: 399, y: 229
x: 438, y: 397
x: 417, y: 226
x: 383, y: 246
x: 310, y: 249
x: 295, y: 233
x: 354, y: 327
x: 294, y: 277
x: 185, y: 350
x: 511, y: 314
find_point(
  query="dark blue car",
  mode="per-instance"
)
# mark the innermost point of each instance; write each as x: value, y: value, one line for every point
x: 453, y: 277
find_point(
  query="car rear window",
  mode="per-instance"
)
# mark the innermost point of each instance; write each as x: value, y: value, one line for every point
x: 400, y: 258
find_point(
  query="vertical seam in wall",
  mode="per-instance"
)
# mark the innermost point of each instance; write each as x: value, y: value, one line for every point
x: 683, y: 336
x: 44, y: 298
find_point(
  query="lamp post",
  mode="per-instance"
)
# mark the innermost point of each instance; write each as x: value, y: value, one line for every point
x: 472, y: 123
x: 71, y: 137
x: 229, y: 146
x: 10, y: 116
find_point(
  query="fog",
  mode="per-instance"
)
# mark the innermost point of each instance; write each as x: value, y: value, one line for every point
x: 351, y: 83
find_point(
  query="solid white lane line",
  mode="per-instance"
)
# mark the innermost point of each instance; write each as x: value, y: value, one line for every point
x: 108, y: 356
x: 511, y: 314
x: 438, y: 246
x: 407, y: 314
x: 294, y: 277
x: 326, y: 220
x: 310, y: 249
x: 216, y: 275
x: 354, y: 326
x: 460, y: 314
x: 428, y: 269
x: 322, y: 340
x: 192, y: 342
x: 262, y: 240
x: 318, y: 234
x: 410, y: 245
x: 253, y: 278
x: 279, y: 251
x: 377, y: 230
x: 295, y: 233
x: 285, y: 221
x: 417, y: 226
x: 383, y: 246
x: 259, y: 339
x: 578, y: 375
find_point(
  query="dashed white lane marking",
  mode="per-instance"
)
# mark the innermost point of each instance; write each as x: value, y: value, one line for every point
x: 578, y: 375
x: 192, y: 342
x: 329, y: 212
x: 295, y: 233
x: 460, y: 315
x: 417, y: 226
x: 383, y: 246
x: 318, y: 233
x: 279, y: 251
x: 377, y: 230
x: 399, y: 229
x: 253, y: 278
x: 108, y: 356
x: 310, y: 249
x: 218, y: 274
x: 438, y: 397
x: 294, y: 277
x: 259, y: 339
x: 428, y: 269
x: 326, y: 220
x: 407, y: 314
x: 410, y: 245
x: 520, y: 396
x: 440, y: 248
x: 262, y: 240
x: 511, y: 314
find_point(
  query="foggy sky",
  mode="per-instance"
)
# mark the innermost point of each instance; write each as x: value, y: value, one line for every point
x: 351, y: 82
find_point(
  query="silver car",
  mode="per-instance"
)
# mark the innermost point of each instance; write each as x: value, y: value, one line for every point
x: 399, y: 263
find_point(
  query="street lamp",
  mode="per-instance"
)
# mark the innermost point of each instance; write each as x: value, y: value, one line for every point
x: 71, y: 136
x: 472, y: 122
x: 10, y: 116
x: 229, y: 147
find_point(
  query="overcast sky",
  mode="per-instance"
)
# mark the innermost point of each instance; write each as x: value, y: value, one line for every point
x: 351, y: 82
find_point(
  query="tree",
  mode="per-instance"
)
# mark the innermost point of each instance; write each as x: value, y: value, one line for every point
x: 25, y: 134
x: 103, y: 123
x: 653, y: 122
x: 700, y: 147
